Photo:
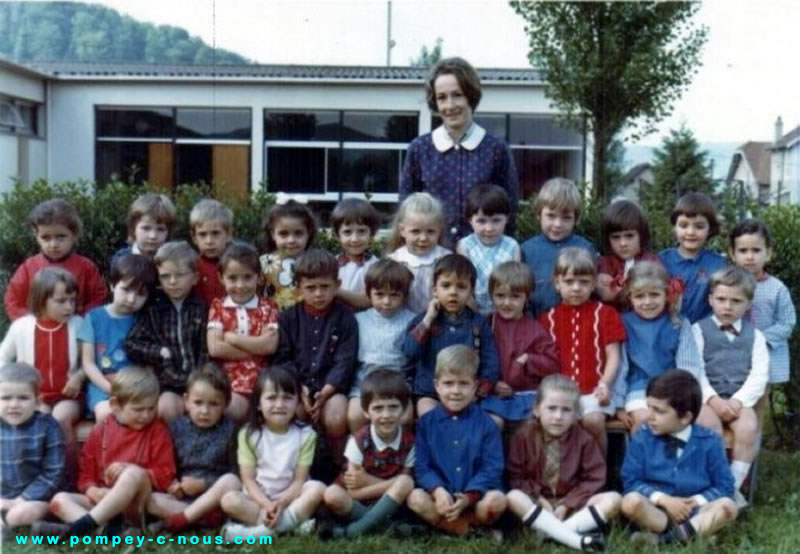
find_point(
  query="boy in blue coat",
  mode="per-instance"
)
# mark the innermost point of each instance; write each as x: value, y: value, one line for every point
x: 459, y: 452
x: 675, y: 476
x: 448, y: 321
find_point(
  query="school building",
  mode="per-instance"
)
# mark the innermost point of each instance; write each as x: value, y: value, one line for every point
x: 321, y: 131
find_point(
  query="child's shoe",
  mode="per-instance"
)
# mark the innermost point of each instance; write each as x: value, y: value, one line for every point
x: 232, y: 530
x: 41, y: 528
x: 458, y: 527
x: 593, y: 542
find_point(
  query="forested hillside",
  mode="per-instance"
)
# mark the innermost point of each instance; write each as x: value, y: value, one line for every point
x: 56, y: 31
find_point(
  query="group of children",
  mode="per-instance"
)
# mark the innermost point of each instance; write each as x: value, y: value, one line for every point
x: 526, y: 339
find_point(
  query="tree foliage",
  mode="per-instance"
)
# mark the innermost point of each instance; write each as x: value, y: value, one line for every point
x: 622, y: 65
x: 65, y: 31
x: 679, y: 166
x: 427, y: 58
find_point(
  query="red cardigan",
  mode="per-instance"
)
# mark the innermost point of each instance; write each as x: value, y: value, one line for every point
x: 149, y: 448
x: 92, y: 291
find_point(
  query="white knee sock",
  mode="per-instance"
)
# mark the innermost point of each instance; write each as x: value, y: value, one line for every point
x: 587, y: 519
x: 288, y: 521
x: 547, y: 523
x: 740, y: 470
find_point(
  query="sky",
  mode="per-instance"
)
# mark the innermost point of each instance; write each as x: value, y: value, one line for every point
x: 749, y: 75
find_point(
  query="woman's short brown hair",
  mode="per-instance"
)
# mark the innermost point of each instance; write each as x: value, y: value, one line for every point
x: 465, y: 74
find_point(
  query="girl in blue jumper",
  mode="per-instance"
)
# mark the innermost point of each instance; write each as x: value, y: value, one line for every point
x: 658, y: 339
x: 695, y: 222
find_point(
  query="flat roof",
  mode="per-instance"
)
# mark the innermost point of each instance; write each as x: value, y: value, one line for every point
x: 329, y: 73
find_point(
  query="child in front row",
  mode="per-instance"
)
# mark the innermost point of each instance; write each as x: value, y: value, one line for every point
x: 588, y: 335
x: 380, y: 459
x: 290, y: 228
x: 56, y: 225
x: 772, y: 311
x: 694, y: 219
x: 204, y: 451
x: 459, y: 451
x: 558, y: 208
x: 527, y: 351
x: 625, y: 235
x: 383, y: 328
x: 150, y: 220
x: 354, y: 223
x: 31, y: 449
x: 416, y: 242
x: 242, y: 327
x: 658, y: 339
x: 675, y: 476
x: 47, y: 339
x: 126, y: 457
x: 556, y: 470
x: 170, y: 333
x: 104, y: 330
x: 735, y: 367
x: 319, y: 341
x: 447, y: 321
x: 488, y: 210
x: 211, y: 227
x: 275, y: 455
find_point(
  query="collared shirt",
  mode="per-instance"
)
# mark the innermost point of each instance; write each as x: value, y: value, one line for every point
x: 31, y: 458
x: 320, y: 347
x: 354, y: 453
x: 182, y: 331
x: 435, y: 164
x: 460, y: 452
x: 470, y: 140
x: 695, y: 273
x: 755, y: 384
x: 423, y: 344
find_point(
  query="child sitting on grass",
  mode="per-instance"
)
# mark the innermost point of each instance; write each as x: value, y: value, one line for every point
x: 380, y: 458
x: 126, y: 457
x: 31, y: 449
x: 204, y: 450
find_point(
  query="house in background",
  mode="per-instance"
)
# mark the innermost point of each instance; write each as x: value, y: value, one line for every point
x: 750, y: 168
x: 320, y: 131
x: 785, y: 166
x: 638, y: 177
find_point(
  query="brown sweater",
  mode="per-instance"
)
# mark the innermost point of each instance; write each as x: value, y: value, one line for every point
x: 582, y: 468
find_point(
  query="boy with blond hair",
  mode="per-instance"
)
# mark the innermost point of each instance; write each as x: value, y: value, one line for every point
x: 558, y: 209
x: 170, y: 333
x: 459, y: 451
x: 211, y: 226
x: 31, y: 448
x: 125, y: 458
x: 735, y: 367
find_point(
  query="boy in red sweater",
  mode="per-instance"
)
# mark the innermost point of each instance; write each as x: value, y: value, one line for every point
x: 125, y: 458
x: 57, y: 227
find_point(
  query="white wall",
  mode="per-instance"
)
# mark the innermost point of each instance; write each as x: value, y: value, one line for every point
x: 21, y: 84
x: 71, y: 128
x: 8, y: 161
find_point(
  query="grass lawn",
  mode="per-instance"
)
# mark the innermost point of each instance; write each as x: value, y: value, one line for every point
x: 772, y: 526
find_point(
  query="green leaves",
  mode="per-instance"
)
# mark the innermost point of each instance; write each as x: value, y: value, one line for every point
x: 623, y: 64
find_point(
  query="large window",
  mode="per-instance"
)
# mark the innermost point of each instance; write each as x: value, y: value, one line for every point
x: 323, y: 153
x: 169, y: 146
x: 542, y: 149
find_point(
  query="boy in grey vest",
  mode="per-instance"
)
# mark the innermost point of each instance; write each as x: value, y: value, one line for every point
x: 736, y: 363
